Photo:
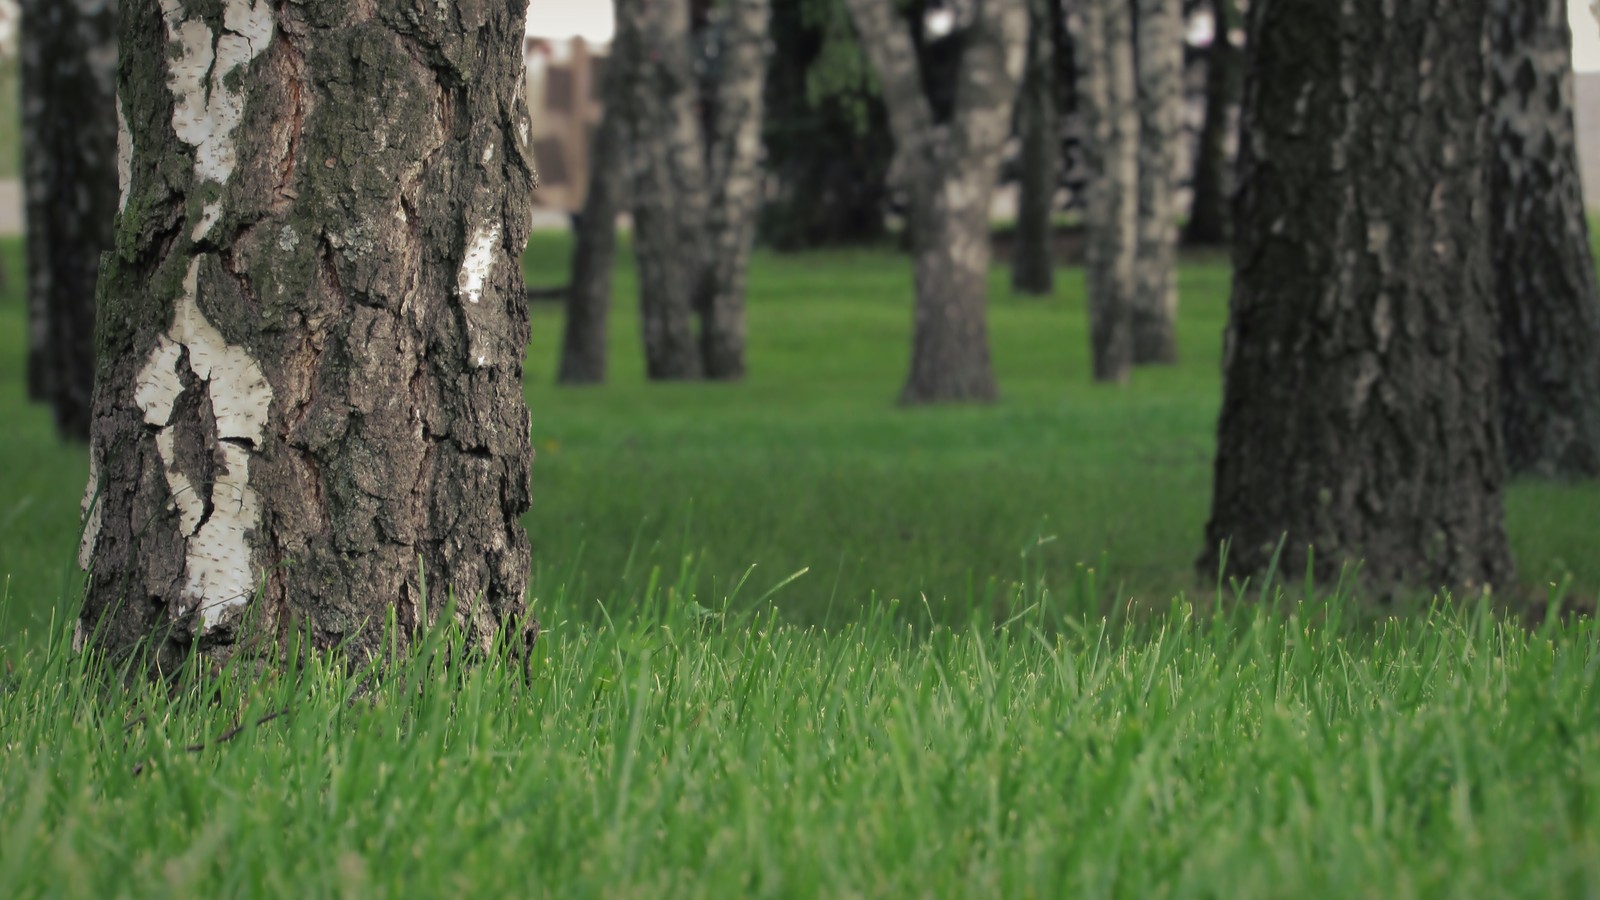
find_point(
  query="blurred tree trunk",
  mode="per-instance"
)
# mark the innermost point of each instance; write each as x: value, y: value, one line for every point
x: 312, y: 330
x: 950, y: 169
x: 695, y: 181
x: 1160, y: 89
x: 1032, y: 268
x: 1543, y: 264
x: 69, y: 148
x: 583, y: 346
x: 734, y: 151
x: 1360, y: 411
x: 1210, y: 214
x: 1107, y: 99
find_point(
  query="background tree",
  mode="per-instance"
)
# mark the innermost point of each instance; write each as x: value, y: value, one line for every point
x: 1210, y: 207
x: 70, y: 158
x: 594, y: 249
x: 1360, y: 407
x: 1032, y: 267
x: 950, y: 163
x: 1159, y: 44
x: 1543, y: 266
x: 1107, y: 101
x: 312, y: 328
x: 695, y: 183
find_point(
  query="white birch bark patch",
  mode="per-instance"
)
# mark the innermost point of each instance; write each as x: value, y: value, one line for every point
x: 124, y: 158
x: 218, y: 550
x: 207, y: 110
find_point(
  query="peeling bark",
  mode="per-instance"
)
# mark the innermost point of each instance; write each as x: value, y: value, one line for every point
x: 950, y: 168
x: 1107, y: 99
x: 695, y: 183
x: 1210, y: 209
x: 1360, y: 407
x: 1543, y: 265
x: 311, y: 329
x: 1160, y: 92
x: 69, y: 146
x: 583, y: 346
x: 1032, y: 268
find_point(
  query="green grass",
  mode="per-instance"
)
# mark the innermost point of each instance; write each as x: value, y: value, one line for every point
x: 967, y: 723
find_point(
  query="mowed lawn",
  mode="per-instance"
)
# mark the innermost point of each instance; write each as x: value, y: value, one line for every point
x: 937, y: 706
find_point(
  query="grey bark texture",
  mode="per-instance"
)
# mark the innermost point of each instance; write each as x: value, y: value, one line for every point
x: 1107, y: 100
x: 1211, y: 204
x: 950, y: 170
x: 1032, y: 263
x: 695, y: 184
x: 69, y: 149
x: 1543, y: 265
x: 583, y: 345
x: 1159, y: 41
x: 308, y: 411
x: 1360, y: 405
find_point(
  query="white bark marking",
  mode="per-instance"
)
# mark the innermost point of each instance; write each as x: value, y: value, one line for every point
x: 91, y: 513
x: 207, y: 110
x: 488, y: 153
x: 218, y: 557
x: 475, y: 267
x: 124, y: 158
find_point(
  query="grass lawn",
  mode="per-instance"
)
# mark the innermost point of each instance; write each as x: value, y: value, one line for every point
x: 966, y: 723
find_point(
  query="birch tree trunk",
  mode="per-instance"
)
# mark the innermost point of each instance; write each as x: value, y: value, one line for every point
x: 1032, y: 266
x: 1103, y: 42
x: 308, y: 411
x: 1543, y: 266
x: 734, y: 150
x: 69, y: 146
x: 583, y: 345
x: 1210, y: 209
x: 1160, y: 90
x: 951, y: 169
x: 1360, y: 410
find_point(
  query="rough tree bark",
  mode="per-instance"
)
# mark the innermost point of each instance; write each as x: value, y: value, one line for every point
x: 311, y: 328
x: 1210, y: 209
x: 1103, y: 42
x: 950, y: 169
x: 695, y: 182
x: 1160, y: 90
x: 69, y: 147
x: 1032, y: 266
x: 1543, y: 266
x: 1360, y: 409
x: 583, y: 345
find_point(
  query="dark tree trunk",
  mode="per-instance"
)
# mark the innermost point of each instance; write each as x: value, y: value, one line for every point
x: 1160, y: 89
x: 1103, y: 41
x: 69, y: 146
x: 734, y: 150
x: 1360, y: 409
x: 311, y: 331
x: 1543, y: 265
x: 667, y: 167
x: 1032, y: 268
x: 950, y: 169
x: 1210, y: 209
x: 583, y: 346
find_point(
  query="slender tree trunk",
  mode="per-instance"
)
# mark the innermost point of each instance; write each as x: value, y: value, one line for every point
x: 734, y: 149
x: 1544, y: 268
x: 312, y: 328
x: 69, y: 131
x: 668, y: 175
x: 1032, y: 268
x: 583, y: 347
x: 1107, y: 99
x: 1360, y: 409
x: 951, y: 169
x: 1160, y: 89
x: 1210, y: 214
